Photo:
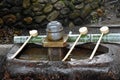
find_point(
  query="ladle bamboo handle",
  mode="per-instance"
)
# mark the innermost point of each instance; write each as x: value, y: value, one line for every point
x: 32, y: 33
x: 104, y: 30
x: 96, y: 47
x: 21, y: 47
x: 71, y: 48
x: 83, y: 31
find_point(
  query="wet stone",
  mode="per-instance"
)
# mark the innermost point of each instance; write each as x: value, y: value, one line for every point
x: 28, y: 20
x: 88, y: 1
x: 38, y: 13
x: 39, y: 19
x: 93, y: 13
x: 63, y: 17
x: 1, y: 21
x: 2, y: 59
x: 71, y: 25
x: 4, y: 11
x: 34, y: 1
x: 43, y: 25
x: 78, y: 21
x: 4, y: 4
x: 66, y: 2
x: 43, y: 1
x: 15, y: 2
x: 16, y: 9
x: 18, y: 16
x: 118, y: 11
x: 77, y: 1
x: 118, y: 15
x: 66, y: 21
x: 32, y: 26
x: 37, y: 7
x: 79, y: 6
x: 94, y: 5
x: 74, y: 14
x: 70, y: 5
x: 65, y: 11
x: 100, y: 12
x: 59, y: 5
x: 86, y: 11
x: 53, y: 1
x: 28, y: 12
x: 19, y: 25
x: 9, y: 18
x: 53, y: 15
x: 1, y: 4
x: 48, y: 8
x: 26, y: 3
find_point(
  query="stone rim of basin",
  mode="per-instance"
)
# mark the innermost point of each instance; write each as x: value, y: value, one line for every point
x: 85, y: 61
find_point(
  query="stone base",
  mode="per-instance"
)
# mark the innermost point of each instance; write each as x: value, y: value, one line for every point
x: 55, y: 54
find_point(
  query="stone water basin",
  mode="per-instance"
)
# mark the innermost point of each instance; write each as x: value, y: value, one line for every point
x: 33, y: 63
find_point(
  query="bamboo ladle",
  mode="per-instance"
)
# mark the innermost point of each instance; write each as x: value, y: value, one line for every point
x: 32, y: 33
x: 103, y: 30
x: 83, y: 31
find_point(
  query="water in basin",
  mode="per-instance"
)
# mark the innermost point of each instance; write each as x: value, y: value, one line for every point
x: 37, y: 52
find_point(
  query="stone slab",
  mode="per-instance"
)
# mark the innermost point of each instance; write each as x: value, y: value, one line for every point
x: 4, y: 48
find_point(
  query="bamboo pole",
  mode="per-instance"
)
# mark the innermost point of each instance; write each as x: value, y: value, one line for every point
x: 32, y: 33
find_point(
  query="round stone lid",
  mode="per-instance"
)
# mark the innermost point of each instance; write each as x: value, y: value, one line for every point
x: 54, y: 26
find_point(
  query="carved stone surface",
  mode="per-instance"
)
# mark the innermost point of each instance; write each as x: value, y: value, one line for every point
x: 104, y: 66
